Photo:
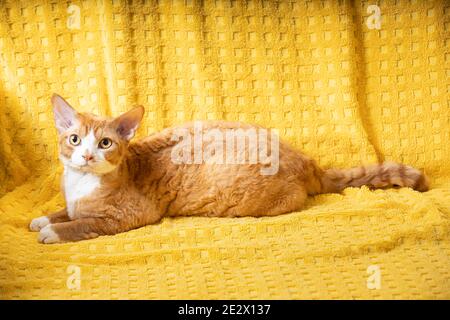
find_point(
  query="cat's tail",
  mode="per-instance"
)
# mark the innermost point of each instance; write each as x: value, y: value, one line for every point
x: 378, y: 176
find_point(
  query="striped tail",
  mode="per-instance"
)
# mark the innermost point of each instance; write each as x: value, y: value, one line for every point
x: 378, y: 176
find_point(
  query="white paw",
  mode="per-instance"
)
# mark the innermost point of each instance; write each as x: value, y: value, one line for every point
x: 47, y: 235
x: 38, y: 223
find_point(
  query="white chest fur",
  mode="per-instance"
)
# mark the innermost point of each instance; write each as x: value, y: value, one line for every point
x: 78, y: 185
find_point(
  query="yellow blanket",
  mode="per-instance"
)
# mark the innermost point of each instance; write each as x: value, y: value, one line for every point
x: 346, y: 82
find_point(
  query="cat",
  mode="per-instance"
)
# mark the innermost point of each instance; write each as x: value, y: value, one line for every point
x: 112, y: 185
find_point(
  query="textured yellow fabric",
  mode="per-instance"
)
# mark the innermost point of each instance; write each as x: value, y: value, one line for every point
x: 337, y: 88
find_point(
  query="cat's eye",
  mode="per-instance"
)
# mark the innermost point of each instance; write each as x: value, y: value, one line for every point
x: 105, y: 143
x: 74, y: 140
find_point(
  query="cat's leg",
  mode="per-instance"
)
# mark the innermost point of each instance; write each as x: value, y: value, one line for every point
x: 89, y: 228
x: 57, y: 217
x: 285, y: 204
x: 276, y: 204
x: 79, y: 229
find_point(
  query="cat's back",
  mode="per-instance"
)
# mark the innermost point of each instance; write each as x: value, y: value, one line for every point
x: 197, y: 130
x: 170, y: 133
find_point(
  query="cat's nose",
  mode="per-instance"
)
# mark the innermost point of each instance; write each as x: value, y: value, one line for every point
x: 88, y: 156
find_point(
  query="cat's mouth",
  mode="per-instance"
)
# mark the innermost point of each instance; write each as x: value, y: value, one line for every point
x: 88, y: 163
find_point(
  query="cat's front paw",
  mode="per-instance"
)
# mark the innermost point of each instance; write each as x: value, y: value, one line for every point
x: 39, y: 223
x: 48, y: 235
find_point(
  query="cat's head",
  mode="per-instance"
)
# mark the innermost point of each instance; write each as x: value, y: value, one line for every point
x: 90, y: 143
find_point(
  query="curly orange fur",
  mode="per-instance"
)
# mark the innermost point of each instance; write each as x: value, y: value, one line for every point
x: 146, y: 185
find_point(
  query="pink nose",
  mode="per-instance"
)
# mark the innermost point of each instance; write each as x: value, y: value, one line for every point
x: 88, y: 157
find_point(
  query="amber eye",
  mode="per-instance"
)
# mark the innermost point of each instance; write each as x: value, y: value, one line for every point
x: 105, y: 143
x: 74, y: 140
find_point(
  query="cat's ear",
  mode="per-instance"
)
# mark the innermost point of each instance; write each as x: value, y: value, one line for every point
x: 65, y: 115
x: 127, y: 123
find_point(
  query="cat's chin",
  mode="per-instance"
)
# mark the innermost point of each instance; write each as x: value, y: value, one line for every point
x: 97, y: 169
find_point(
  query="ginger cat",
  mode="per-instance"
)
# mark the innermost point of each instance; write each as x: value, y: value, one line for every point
x: 112, y: 185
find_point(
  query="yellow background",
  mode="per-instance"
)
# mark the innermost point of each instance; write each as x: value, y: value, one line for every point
x: 340, y: 91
